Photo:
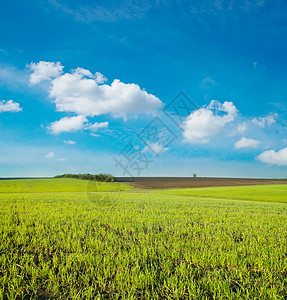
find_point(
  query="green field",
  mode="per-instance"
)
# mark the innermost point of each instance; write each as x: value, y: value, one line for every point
x: 262, y: 193
x: 58, y: 185
x: 73, y: 239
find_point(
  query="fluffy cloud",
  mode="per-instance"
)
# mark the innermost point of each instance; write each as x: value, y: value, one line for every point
x: 265, y: 121
x: 208, y: 121
x: 97, y: 125
x: 68, y: 124
x: 246, y: 143
x: 75, y: 123
x: 44, y: 70
x: 272, y: 157
x: 80, y: 92
x: 85, y: 94
x: 9, y: 106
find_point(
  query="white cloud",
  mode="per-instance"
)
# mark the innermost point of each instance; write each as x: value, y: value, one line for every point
x: 9, y: 106
x: 50, y: 155
x: 156, y: 148
x: 85, y: 94
x: 75, y: 123
x: 100, y: 78
x: 44, y: 70
x: 265, y: 121
x: 67, y: 124
x: 94, y: 134
x: 206, y: 122
x: 70, y: 142
x: 272, y: 157
x: 247, y: 143
x: 241, y: 128
x: 96, y: 126
x: 79, y: 92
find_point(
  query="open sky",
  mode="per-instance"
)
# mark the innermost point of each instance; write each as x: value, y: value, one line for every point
x: 143, y: 88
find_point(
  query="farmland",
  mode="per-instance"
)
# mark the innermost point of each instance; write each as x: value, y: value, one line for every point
x: 73, y: 239
x: 185, y: 182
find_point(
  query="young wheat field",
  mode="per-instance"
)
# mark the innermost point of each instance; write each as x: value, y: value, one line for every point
x: 74, y: 239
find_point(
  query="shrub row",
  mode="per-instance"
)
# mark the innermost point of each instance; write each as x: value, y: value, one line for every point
x: 97, y: 177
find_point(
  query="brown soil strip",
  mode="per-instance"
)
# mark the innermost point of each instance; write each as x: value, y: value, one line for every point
x: 185, y: 182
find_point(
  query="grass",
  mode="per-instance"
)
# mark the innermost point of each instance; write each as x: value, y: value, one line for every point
x: 135, y: 244
x: 58, y: 185
x: 269, y: 193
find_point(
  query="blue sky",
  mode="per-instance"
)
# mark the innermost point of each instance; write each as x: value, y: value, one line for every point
x: 86, y: 86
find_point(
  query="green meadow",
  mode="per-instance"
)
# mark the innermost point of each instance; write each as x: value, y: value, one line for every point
x: 58, y: 185
x: 74, y: 239
x: 262, y: 193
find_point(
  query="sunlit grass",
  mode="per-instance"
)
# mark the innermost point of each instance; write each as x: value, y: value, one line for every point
x: 272, y: 193
x: 58, y: 185
x: 141, y: 245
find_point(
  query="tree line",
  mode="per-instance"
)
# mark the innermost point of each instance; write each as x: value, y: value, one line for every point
x: 96, y: 177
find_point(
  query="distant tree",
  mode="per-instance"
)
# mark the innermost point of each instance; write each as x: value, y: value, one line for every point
x: 194, y: 175
x: 87, y: 176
